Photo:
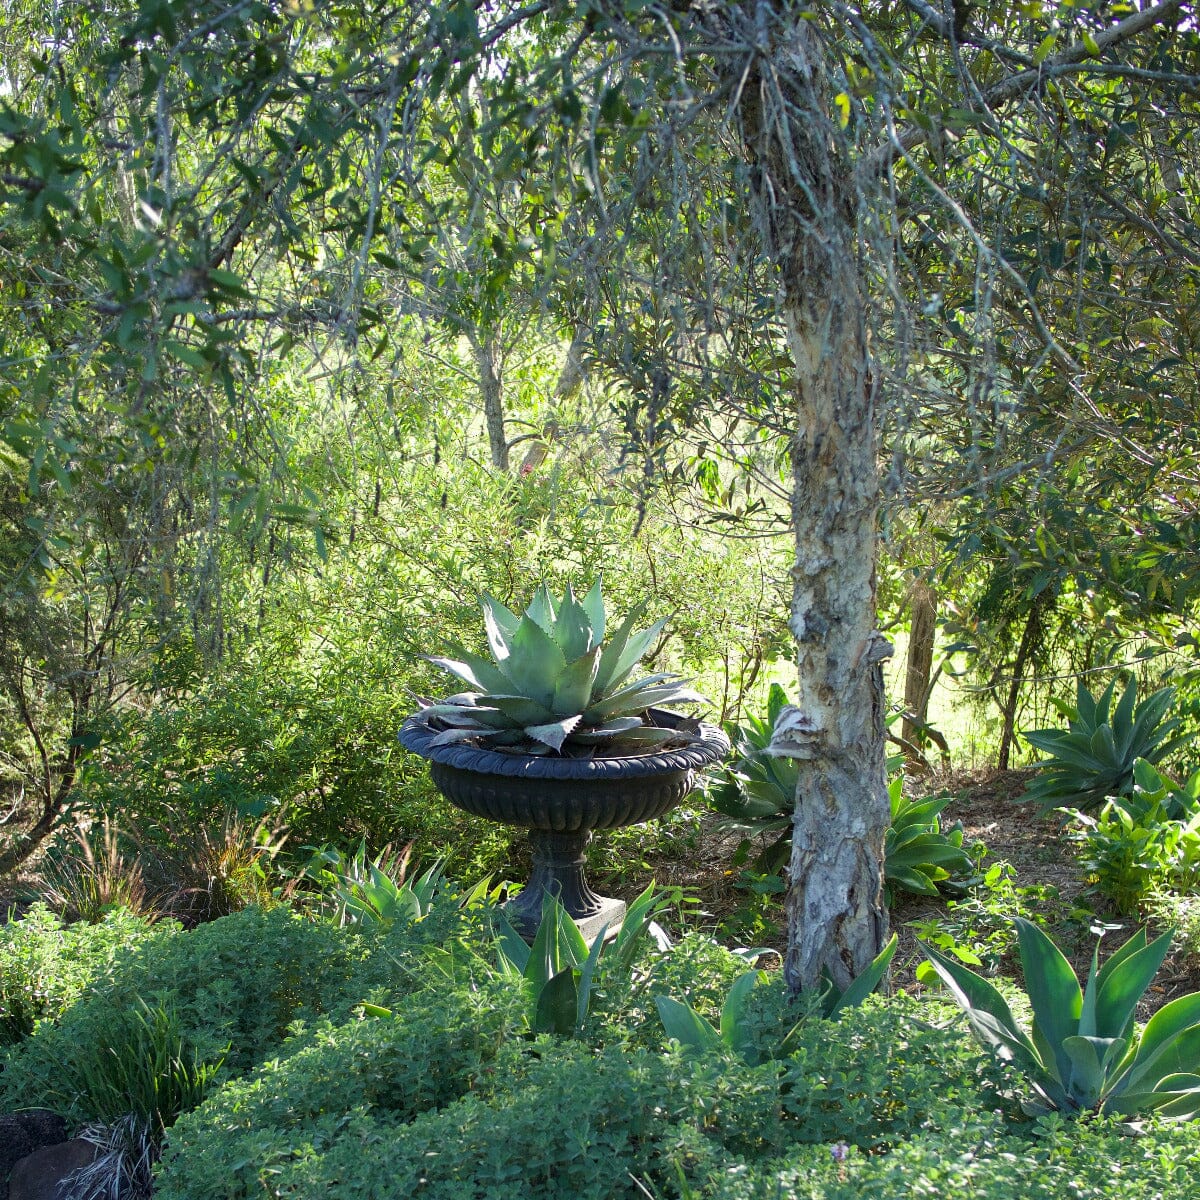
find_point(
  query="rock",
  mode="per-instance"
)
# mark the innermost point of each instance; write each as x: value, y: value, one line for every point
x: 22, y: 1133
x: 40, y: 1175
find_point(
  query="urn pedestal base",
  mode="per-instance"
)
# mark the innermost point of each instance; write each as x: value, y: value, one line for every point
x: 559, y: 869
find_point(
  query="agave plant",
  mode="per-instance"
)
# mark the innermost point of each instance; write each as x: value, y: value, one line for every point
x: 683, y: 1023
x: 554, y: 683
x: 757, y: 794
x: 919, y: 856
x: 1093, y: 759
x: 757, y: 791
x: 1082, y: 1052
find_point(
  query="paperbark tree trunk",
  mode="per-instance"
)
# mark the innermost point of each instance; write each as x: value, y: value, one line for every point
x: 807, y: 199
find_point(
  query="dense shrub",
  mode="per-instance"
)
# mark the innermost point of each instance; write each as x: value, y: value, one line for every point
x: 237, y: 982
x: 440, y: 1043
x: 552, y: 1120
x: 883, y: 1072
x: 46, y: 965
x: 697, y: 969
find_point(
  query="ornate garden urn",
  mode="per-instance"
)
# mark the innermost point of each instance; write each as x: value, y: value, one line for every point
x: 561, y: 800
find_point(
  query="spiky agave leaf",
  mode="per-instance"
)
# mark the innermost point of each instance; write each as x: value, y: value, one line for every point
x: 555, y: 681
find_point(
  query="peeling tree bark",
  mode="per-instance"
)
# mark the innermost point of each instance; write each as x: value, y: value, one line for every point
x: 807, y: 198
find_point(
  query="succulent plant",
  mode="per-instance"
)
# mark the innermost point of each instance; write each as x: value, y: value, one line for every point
x: 554, y: 682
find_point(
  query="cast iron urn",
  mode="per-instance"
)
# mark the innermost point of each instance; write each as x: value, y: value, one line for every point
x: 562, y: 799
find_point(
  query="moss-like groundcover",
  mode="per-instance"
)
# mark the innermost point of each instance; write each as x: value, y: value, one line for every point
x: 454, y: 1096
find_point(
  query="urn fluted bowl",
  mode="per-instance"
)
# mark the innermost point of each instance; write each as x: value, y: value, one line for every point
x: 561, y: 799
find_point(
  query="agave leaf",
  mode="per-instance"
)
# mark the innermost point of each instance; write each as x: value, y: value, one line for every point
x: 1085, y: 705
x: 573, y: 629
x: 865, y: 983
x: 519, y: 711
x: 734, y: 1032
x: 1103, y: 705
x: 556, y: 945
x: 643, y: 694
x: 555, y: 733
x: 1176, y: 1097
x: 557, y: 1004
x: 534, y: 665
x: 686, y: 1026
x: 776, y: 700
x: 1149, y: 714
x: 1072, y: 748
x: 593, y: 605
x: 482, y: 675
x: 1121, y: 986
x: 510, y: 943
x: 1104, y: 747
x: 623, y: 652
x: 614, y: 647
x: 573, y: 688
x: 1183, y: 1091
x: 979, y: 1000
x: 449, y: 736
x: 1168, y: 1037
x: 501, y: 624
x: 455, y: 714
x: 1122, y: 721
x: 595, y: 735
x: 1087, y: 1013
x: 643, y: 735
x: 1084, y: 1076
x: 1054, y: 992
x: 541, y: 609
x: 638, y: 918
x: 586, y: 974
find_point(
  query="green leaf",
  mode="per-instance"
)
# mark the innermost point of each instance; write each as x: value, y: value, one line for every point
x: 978, y: 999
x: 555, y: 733
x: 573, y: 688
x: 1045, y: 48
x: 593, y: 606
x: 501, y: 626
x: 1054, y: 992
x: 1120, y: 986
x: 474, y: 670
x: 734, y: 1032
x: 534, y: 664
x: 541, y: 610
x: 866, y: 982
x: 574, y: 633
x: 638, y: 916
x: 557, y: 1004
x: 686, y: 1026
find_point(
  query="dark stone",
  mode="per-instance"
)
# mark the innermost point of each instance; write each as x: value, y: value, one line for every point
x: 43, y: 1174
x: 22, y: 1133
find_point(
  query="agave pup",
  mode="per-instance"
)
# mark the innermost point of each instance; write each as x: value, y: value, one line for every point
x: 554, y: 685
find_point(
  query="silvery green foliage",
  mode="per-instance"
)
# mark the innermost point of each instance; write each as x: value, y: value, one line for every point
x: 1082, y: 1052
x: 554, y: 681
x: 1093, y: 759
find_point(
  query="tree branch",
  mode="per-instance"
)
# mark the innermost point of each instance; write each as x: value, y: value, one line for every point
x: 1073, y: 58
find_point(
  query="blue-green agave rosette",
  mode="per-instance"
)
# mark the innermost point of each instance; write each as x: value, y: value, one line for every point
x: 554, y: 682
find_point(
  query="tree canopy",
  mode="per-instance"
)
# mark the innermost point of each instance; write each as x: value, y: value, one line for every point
x: 871, y: 268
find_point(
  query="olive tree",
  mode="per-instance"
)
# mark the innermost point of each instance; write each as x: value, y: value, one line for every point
x: 872, y: 243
